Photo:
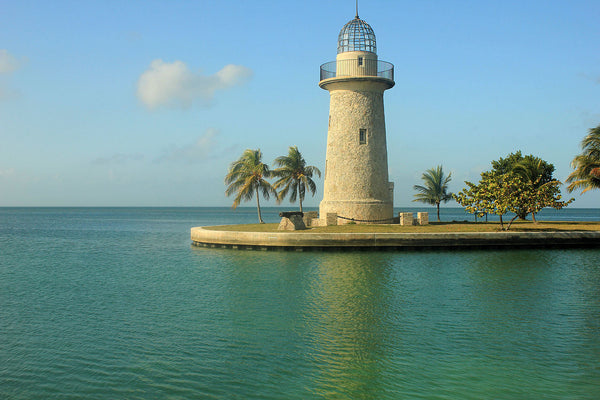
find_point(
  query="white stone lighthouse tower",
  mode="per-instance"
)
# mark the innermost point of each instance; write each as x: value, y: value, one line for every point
x: 356, y: 169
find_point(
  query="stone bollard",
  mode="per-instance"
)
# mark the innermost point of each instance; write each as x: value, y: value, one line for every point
x: 405, y: 218
x: 423, y: 218
x: 331, y: 219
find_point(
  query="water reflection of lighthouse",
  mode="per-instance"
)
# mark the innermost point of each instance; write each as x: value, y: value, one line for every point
x: 345, y: 325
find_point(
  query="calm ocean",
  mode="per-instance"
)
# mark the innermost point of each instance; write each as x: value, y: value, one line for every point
x: 115, y: 303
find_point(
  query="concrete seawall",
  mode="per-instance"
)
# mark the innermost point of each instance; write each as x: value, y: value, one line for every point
x: 205, y: 236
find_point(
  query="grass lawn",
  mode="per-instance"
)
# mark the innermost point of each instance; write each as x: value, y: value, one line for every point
x: 433, y: 227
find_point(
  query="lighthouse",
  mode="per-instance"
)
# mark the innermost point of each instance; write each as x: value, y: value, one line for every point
x: 356, y: 186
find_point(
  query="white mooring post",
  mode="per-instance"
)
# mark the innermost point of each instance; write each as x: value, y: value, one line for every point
x: 406, y: 218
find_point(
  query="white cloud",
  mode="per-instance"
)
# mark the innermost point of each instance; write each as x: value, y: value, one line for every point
x: 200, y: 150
x: 8, y: 63
x: 7, y: 172
x: 174, y: 85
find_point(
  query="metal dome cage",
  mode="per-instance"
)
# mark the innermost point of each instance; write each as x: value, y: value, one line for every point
x: 356, y: 35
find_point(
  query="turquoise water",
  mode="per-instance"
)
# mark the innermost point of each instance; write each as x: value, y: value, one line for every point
x: 115, y: 303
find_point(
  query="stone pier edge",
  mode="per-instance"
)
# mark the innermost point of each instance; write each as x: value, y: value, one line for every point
x: 205, y: 236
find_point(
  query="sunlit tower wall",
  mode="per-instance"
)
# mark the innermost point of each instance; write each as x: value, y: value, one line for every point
x: 356, y: 168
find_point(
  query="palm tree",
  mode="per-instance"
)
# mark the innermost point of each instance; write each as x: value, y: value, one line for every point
x: 536, y: 173
x: 534, y: 170
x: 294, y: 176
x: 587, y: 164
x: 435, y: 187
x: 246, y: 177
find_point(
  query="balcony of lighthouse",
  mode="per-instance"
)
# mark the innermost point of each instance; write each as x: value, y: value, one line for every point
x: 357, y: 68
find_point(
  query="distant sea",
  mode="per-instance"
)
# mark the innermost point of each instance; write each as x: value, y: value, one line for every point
x: 115, y: 303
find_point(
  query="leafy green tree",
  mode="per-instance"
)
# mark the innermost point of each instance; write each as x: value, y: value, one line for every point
x: 434, y: 189
x: 295, y: 177
x: 534, y: 198
x: 494, y: 194
x: 246, y: 177
x: 516, y: 161
x: 587, y: 164
x: 537, y: 175
x: 509, y: 192
x: 533, y: 170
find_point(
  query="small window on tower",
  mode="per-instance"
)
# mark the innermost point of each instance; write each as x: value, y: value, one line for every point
x: 360, y: 61
x: 362, y: 136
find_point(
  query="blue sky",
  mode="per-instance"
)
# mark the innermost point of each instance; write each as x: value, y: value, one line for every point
x: 146, y: 103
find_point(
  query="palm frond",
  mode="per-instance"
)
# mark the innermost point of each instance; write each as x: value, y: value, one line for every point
x: 247, y: 175
x: 294, y: 175
x: 586, y: 165
x: 434, y: 188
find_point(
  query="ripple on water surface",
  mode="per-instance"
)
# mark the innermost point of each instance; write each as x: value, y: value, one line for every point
x: 109, y: 307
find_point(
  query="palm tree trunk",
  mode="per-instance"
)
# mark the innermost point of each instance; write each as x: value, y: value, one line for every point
x: 260, y: 220
x: 438, y: 211
x: 299, y: 198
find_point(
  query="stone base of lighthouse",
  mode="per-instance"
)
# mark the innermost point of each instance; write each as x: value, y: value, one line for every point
x: 357, y: 211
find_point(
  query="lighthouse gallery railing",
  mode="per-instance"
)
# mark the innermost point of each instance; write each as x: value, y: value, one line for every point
x: 341, y: 68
